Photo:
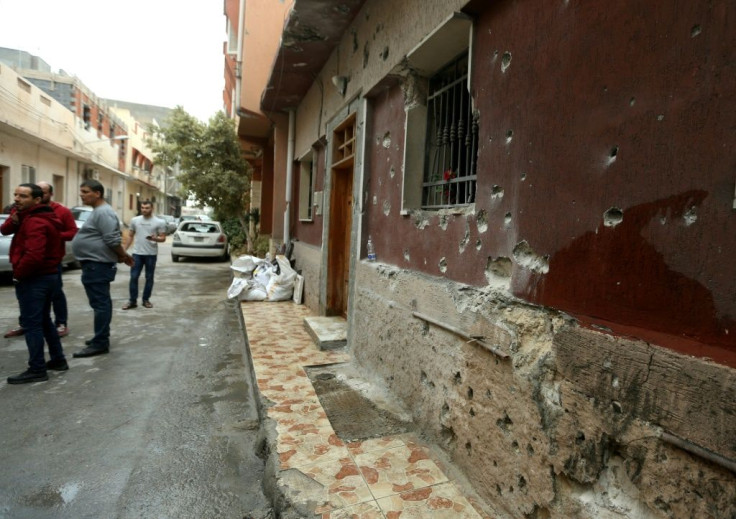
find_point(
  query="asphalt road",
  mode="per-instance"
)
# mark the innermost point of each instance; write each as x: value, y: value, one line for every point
x: 164, y: 426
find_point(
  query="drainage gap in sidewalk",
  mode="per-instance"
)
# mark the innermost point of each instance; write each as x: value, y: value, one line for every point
x: 352, y: 415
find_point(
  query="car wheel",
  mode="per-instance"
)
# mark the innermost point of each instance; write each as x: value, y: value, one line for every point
x: 174, y: 258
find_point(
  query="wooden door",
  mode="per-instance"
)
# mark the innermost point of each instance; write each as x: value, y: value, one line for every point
x: 338, y: 263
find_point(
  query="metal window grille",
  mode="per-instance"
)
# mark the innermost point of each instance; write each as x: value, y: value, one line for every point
x: 452, y: 139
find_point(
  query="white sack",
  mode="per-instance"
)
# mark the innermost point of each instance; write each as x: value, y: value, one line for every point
x: 281, y: 286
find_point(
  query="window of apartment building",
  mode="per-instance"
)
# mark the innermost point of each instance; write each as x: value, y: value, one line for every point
x: 452, y: 139
x: 100, y: 121
x: 441, y: 139
x: 232, y: 38
x: 86, y: 116
x: 27, y: 174
x: 306, y: 187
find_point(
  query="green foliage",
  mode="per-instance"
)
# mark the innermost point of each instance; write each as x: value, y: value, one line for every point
x: 235, y: 235
x: 212, y: 167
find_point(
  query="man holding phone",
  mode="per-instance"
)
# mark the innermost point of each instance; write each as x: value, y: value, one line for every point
x: 145, y: 232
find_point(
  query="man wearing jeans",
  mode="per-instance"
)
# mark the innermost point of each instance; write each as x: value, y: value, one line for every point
x: 35, y: 254
x: 146, y: 232
x: 97, y: 246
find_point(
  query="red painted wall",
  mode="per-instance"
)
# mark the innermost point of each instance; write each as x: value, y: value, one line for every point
x: 629, y: 106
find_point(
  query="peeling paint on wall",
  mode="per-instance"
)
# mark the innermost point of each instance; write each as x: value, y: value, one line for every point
x: 482, y: 221
x: 526, y: 257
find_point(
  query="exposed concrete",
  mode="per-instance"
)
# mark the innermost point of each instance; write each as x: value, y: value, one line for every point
x: 559, y: 429
x: 328, y: 333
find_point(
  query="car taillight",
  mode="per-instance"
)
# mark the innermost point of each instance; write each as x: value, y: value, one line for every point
x: 221, y: 238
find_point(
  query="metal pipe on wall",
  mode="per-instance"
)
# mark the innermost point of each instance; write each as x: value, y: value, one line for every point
x: 289, y: 175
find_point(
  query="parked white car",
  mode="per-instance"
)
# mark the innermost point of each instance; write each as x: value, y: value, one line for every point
x: 197, y: 239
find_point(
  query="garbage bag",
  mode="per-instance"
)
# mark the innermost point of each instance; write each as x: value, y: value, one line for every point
x: 253, y: 291
x: 263, y: 273
x: 280, y: 287
x: 236, y: 287
x: 246, y: 264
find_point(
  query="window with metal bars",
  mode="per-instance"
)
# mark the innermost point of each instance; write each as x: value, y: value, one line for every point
x: 452, y: 139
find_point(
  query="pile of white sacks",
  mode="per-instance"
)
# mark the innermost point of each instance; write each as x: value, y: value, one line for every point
x: 258, y: 279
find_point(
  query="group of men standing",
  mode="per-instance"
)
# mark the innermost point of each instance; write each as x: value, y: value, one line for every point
x: 40, y: 229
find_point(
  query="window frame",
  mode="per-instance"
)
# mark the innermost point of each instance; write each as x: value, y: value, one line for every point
x: 450, y: 39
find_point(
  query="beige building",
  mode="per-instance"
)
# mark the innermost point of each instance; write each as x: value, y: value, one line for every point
x: 53, y: 128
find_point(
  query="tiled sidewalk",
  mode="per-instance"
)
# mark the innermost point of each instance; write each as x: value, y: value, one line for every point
x: 385, y: 478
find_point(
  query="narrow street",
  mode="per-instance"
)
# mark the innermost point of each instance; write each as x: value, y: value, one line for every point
x: 165, y: 426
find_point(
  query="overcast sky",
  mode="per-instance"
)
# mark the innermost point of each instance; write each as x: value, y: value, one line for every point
x: 157, y: 52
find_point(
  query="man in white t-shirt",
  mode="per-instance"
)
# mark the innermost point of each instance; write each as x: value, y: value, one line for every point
x: 146, y: 232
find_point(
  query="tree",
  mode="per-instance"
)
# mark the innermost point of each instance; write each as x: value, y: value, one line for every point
x: 212, y: 167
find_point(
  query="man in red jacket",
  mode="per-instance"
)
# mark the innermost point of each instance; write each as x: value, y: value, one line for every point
x: 67, y: 233
x: 35, y: 254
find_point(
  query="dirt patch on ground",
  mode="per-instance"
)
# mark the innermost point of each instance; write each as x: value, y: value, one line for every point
x: 352, y: 414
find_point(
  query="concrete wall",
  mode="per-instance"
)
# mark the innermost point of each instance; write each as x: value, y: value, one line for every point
x: 308, y: 259
x: 569, y: 424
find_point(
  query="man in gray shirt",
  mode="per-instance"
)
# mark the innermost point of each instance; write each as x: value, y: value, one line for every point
x: 146, y: 232
x: 98, y: 248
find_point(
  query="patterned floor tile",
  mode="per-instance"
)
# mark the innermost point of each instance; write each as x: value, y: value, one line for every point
x: 398, y: 469
x: 443, y: 501
x: 306, y: 447
x: 369, y: 510
x: 341, y: 481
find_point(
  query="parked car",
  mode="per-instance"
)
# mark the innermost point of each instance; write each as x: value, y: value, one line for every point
x: 67, y: 261
x: 82, y: 212
x: 170, y: 222
x: 195, y: 218
x: 196, y: 239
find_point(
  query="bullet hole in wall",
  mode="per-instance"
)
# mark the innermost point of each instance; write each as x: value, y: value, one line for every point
x: 632, y: 101
x: 443, y: 265
x: 458, y: 378
x: 481, y: 220
x: 384, y: 54
x: 505, y: 61
x: 496, y: 191
x: 507, y: 220
x: 612, y: 155
x: 613, y: 217
x: 509, y: 136
x: 366, y: 54
x: 499, y: 267
x: 528, y: 259
x: 386, y: 142
x: 695, y: 31
x: 470, y: 393
x: 691, y: 216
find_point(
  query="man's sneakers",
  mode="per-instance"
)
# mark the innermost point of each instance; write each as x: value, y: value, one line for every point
x: 15, y: 332
x: 28, y: 376
x: 62, y: 330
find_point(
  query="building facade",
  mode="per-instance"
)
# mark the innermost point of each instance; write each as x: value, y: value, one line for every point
x: 550, y: 194
x: 54, y: 128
